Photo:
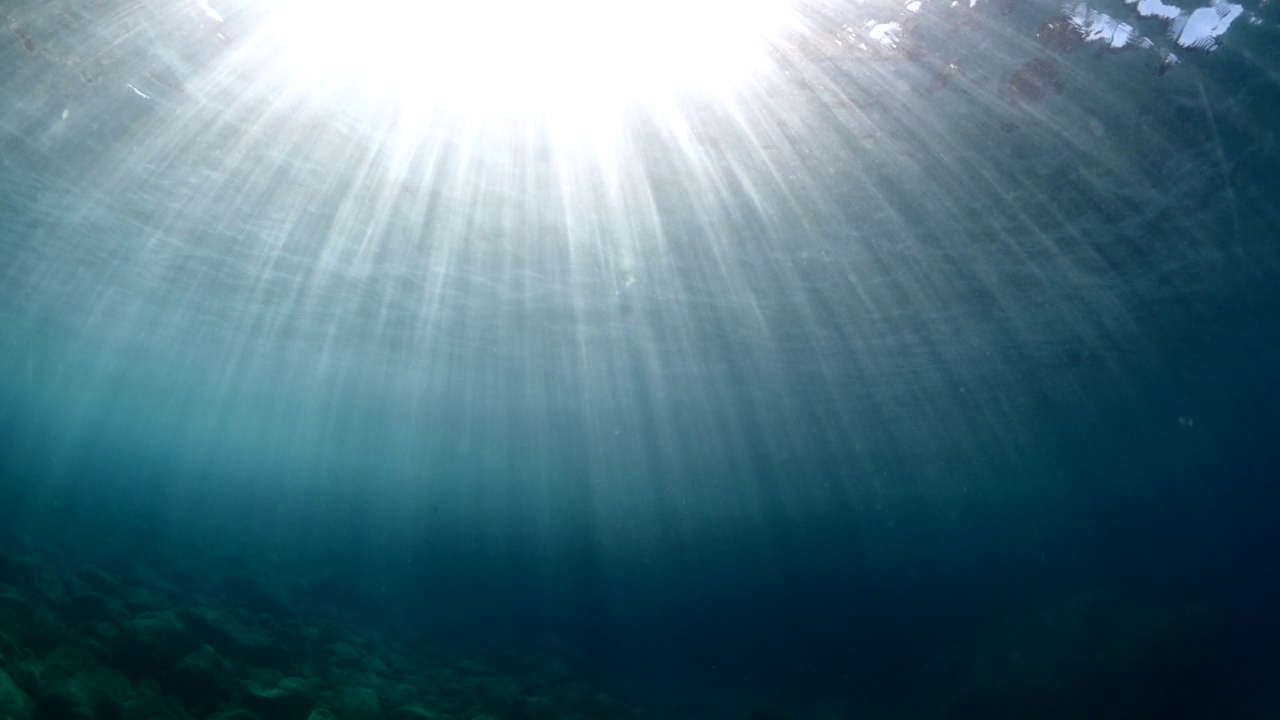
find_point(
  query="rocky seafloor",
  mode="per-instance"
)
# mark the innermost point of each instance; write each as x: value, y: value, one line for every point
x: 109, y: 638
x: 103, y: 631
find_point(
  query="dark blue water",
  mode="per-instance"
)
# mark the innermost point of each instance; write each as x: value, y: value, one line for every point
x: 927, y: 378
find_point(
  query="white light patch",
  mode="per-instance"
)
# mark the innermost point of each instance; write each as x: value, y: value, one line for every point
x: 525, y: 52
x: 1095, y: 26
x: 1156, y: 8
x: 213, y: 14
x: 1202, y: 28
x: 884, y: 33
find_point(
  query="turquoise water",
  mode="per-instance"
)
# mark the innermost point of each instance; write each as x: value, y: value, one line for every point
x: 929, y: 372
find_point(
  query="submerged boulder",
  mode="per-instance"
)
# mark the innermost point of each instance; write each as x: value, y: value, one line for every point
x: 15, y: 571
x: 288, y: 699
x: 68, y: 698
x: 201, y: 677
x: 236, y: 642
x: 416, y: 712
x: 153, y: 642
x: 86, y: 608
x: 14, y: 703
x: 359, y: 704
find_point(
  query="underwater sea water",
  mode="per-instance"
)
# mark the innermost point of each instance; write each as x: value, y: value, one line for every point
x: 928, y: 370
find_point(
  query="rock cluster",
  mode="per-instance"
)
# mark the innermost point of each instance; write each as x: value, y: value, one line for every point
x: 84, y: 641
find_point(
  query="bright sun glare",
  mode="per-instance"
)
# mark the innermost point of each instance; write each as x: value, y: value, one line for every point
x: 549, y: 54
